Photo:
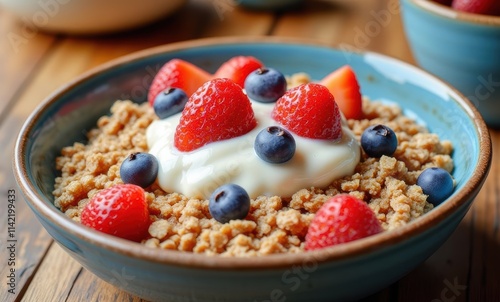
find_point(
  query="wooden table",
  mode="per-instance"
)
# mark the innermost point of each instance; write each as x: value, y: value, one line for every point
x: 33, y: 64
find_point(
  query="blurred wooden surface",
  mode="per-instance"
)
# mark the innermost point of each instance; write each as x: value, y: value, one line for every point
x: 33, y: 64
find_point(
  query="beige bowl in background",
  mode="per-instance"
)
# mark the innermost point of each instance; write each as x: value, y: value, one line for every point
x: 90, y: 16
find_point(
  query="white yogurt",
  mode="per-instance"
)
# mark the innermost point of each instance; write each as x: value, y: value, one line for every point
x: 198, y: 173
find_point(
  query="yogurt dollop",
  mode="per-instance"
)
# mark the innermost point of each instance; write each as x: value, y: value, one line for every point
x: 197, y: 174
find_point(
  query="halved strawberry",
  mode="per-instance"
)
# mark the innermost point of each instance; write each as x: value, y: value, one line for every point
x: 309, y: 110
x: 177, y: 73
x: 218, y: 110
x: 238, y: 68
x: 344, y: 86
x: 485, y: 7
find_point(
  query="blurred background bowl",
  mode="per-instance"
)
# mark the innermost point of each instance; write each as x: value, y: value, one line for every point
x: 339, y: 273
x: 461, y: 48
x: 90, y: 16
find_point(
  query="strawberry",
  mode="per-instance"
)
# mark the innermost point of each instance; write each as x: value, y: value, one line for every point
x: 344, y: 86
x: 309, y: 110
x: 120, y: 210
x: 341, y: 219
x: 485, y: 7
x: 177, y: 73
x: 238, y: 68
x: 218, y: 110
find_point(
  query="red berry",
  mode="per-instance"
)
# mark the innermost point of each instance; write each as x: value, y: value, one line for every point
x: 238, y: 68
x: 341, y: 219
x: 120, y: 210
x: 344, y: 86
x: 177, y: 73
x: 309, y: 110
x: 484, y: 7
x: 218, y: 110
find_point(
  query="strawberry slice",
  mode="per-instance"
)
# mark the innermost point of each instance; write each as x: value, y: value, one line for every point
x: 341, y: 219
x: 484, y: 7
x: 344, y: 86
x: 218, y: 110
x: 177, y: 73
x: 309, y: 110
x: 238, y: 68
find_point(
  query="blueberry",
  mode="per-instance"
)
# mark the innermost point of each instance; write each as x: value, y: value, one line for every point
x: 274, y: 145
x: 265, y: 85
x: 139, y: 169
x: 228, y: 202
x: 378, y: 140
x: 436, y: 183
x: 169, y: 102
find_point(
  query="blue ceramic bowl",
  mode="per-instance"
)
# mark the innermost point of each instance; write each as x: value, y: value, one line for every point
x: 343, y: 272
x: 461, y: 48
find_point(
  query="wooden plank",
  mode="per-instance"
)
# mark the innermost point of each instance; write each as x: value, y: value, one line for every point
x: 391, y: 38
x: 484, y: 278
x: 181, y: 26
x: 21, y: 50
x: 87, y: 287
x: 236, y: 21
x: 350, y: 26
x: 53, y: 280
x: 321, y: 21
x: 20, y: 258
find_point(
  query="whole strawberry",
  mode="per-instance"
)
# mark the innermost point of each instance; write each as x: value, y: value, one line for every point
x: 341, y: 219
x: 120, y: 210
x: 309, y: 110
x: 238, y: 68
x: 218, y: 110
x: 177, y: 73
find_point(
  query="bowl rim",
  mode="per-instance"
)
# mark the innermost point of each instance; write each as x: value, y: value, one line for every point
x: 451, y: 14
x: 275, y: 261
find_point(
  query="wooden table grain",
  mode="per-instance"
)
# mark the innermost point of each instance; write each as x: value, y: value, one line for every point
x: 34, y: 63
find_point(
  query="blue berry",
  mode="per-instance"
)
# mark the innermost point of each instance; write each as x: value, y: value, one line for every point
x: 169, y: 102
x: 378, y: 140
x: 274, y: 145
x: 139, y: 169
x: 436, y: 183
x: 265, y: 85
x: 228, y: 202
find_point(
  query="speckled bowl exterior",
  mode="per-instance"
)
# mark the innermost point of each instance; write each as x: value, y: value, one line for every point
x: 344, y: 272
x: 461, y: 48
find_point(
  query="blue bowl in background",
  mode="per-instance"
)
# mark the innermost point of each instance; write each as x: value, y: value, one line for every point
x: 461, y: 48
x: 344, y: 272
